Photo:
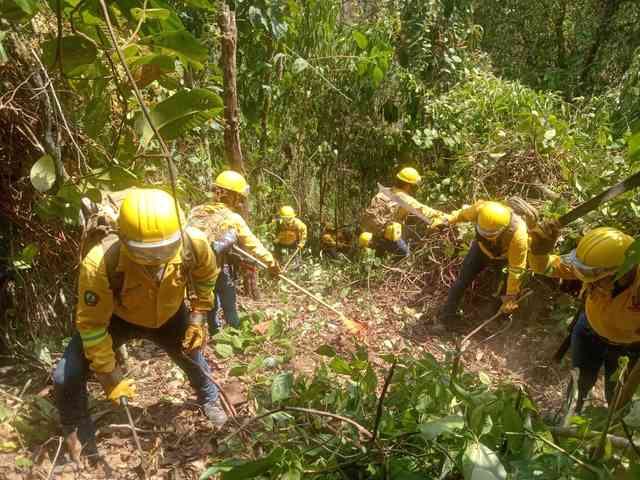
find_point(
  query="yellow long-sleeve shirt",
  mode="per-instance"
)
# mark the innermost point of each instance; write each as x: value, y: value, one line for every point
x: 513, y: 246
x: 291, y: 231
x: 216, y: 218
x: 143, y: 299
x: 614, y: 317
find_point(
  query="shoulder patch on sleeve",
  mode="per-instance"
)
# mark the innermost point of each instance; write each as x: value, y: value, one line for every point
x: 91, y: 299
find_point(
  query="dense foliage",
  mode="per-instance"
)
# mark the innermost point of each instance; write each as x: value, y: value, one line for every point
x: 487, y: 99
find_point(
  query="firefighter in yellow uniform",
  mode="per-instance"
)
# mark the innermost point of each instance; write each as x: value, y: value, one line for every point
x: 334, y: 241
x: 291, y: 232
x: 384, y: 218
x: 225, y: 227
x: 502, y: 238
x: 149, y: 303
x: 609, y: 326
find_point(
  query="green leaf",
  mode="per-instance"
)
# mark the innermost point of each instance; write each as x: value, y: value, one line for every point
x: 299, y: 65
x: 512, y: 422
x: 631, y: 259
x: 326, y: 351
x: 43, y: 174
x: 550, y: 134
x: 340, y: 365
x: 76, y: 52
x: 377, y: 75
x: 291, y: 475
x: 23, y: 463
x: 179, y: 113
x: 150, y: 13
x: 202, y: 4
x: 432, y: 430
x: 181, y: 42
x: 3, y: 53
x: 254, y: 468
x: 634, y: 145
x: 18, y: 10
x: 238, y: 370
x: 4, y: 413
x: 479, y: 462
x: 281, y: 386
x: 224, y: 350
x: 360, y: 38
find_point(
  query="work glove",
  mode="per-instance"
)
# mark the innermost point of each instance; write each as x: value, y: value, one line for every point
x: 194, y: 336
x: 439, y: 222
x: 115, y: 386
x: 509, y: 304
x: 274, y: 270
x: 544, y: 237
x: 223, y: 244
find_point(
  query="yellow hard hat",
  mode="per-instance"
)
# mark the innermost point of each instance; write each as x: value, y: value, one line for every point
x: 149, y: 226
x: 287, y: 212
x: 493, y: 218
x: 364, y: 240
x: 409, y: 175
x: 599, y: 254
x: 233, y: 181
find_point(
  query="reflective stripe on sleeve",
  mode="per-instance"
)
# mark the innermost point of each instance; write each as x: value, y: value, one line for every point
x: 93, y: 337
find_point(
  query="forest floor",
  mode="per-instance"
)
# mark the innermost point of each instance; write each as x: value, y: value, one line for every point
x: 176, y: 436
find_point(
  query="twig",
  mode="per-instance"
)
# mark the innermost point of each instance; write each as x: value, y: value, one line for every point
x: 591, y: 468
x: 249, y: 422
x: 617, y: 442
x: 385, y: 387
x: 630, y: 438
x: 322, y: 413
x: 55, y: 459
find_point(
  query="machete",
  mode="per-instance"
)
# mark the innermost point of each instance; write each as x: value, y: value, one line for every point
x: 581, y: 210
x: 396, y: 198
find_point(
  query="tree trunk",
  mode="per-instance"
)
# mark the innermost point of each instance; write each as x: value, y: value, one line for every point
x: 233, y: 151
x: 560, y: 40
x: 608, y: 11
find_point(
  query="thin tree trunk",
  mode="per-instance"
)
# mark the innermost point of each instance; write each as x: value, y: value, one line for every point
x: 609, y: 10
x: 560, y: 40
x: 233, y: 151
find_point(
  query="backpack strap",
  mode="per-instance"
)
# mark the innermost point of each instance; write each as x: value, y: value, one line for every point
x: 111, y: 246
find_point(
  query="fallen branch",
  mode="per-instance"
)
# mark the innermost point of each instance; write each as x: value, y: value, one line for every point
x: 574, y: 432
x: 385, y: 387
x: 55, y: 459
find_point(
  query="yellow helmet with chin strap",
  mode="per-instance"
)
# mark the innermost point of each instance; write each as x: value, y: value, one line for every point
x: 493, y: 218
x: 233, y: 181
x: 149, y: 227
x: 599, y: 254
x: 287, y: 212
x: 409, y: 175
x: 364, y: 240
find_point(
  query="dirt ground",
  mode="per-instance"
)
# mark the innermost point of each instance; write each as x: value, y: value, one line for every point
x: 176, y: 435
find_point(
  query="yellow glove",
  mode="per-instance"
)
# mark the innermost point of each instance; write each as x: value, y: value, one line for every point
x: 275, y: 270
x: 509, y: 304
x: 194, y: 336
x: 115, y: 386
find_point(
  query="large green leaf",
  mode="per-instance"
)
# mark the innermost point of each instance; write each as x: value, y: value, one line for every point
x: 18, y: 10
x: 479, y: 462
x: 43, y: 173
x: 281, y: 386
x: 631, y: 259
x: 432, y: 430
x: 634, y: 145
x: 181, y: 42
x: 254, y: 468
x: 179, y: 113
x: 76, y: 52
x: 512, y: 422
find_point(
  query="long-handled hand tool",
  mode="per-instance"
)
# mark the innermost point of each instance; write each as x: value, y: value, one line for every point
x: 396, y: 198
x: 286, y: 265
x: 351, y: 325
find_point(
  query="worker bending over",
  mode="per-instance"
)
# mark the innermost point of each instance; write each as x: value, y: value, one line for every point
x: 225, y: 227
x: 502, y: 239
x: 154, y: 268
x: 384, y: 218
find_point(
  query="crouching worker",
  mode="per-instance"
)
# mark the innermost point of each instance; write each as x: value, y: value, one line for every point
x: 609, y: 326
x: 225, y: 227
x: 291, y: 233
x: 502, y: 239
x: 133, y: 286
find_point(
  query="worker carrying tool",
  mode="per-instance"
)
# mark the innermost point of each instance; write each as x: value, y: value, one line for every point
x: 502, y: 239
x: 291, y: 234
x: 132, y: 285
x: 224, y: 227
x: 609, y: 325
x: 385, y: 215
